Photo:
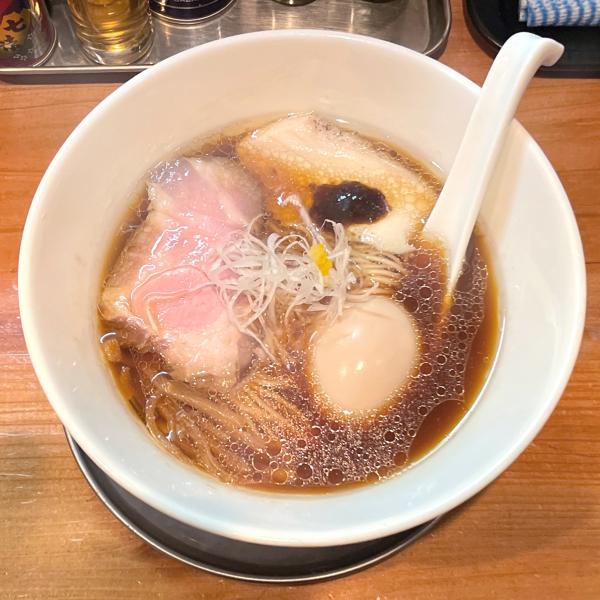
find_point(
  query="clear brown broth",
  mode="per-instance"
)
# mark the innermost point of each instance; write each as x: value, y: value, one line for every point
x: 439, y: 422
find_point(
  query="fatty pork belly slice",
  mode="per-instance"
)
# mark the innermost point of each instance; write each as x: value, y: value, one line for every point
x: 156, y: 290
x: 293, y: 154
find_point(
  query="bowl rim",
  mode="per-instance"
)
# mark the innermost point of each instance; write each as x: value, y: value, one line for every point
x: 352, y: 533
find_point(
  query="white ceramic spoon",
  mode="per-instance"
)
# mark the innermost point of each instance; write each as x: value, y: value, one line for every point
x: 453, y: 217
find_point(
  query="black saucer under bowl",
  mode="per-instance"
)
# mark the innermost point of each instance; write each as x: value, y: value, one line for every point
x: 232, y: 558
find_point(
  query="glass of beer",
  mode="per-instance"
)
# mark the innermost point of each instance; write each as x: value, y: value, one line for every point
x: 113, y: 32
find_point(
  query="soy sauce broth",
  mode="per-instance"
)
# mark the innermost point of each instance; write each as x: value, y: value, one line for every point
x: 446, y: 417
x: 436, y: 426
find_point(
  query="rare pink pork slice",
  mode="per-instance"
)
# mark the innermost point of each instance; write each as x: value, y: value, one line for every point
x: 155, y: 288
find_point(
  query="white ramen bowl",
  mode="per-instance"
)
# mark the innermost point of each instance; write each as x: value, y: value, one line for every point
x: 382, y: 89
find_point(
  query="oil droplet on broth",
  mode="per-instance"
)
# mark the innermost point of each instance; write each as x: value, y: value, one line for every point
x: 273, y: 447
x: 260, y: 461
x: 304, y: 471
x: 335, y: 476
x: 279, y: 476
x: 400, y: 459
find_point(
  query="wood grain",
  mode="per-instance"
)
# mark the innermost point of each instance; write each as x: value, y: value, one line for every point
x: 534, y: 533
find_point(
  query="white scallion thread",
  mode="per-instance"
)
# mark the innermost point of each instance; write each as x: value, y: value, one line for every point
x: 250, y: 271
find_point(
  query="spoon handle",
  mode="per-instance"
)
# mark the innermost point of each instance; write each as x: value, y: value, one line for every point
x: 453, y: 216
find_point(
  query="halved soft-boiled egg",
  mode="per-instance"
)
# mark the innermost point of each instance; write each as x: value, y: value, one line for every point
x: 366, y: 356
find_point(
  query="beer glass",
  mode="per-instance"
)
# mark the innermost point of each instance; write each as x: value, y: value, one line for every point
x: 113, y: 32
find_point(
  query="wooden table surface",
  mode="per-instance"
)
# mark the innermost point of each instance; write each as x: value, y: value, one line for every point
x: 534, y: 533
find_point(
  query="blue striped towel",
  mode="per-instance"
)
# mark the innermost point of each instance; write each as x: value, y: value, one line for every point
x: 540, y: 13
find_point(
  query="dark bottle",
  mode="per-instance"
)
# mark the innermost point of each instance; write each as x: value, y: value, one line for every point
x: 187, y: 11
x: 294, y: 2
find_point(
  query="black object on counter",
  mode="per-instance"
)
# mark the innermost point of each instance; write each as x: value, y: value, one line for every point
x: 187, y: 11
x: 231, y: 558
x: 492, y: 22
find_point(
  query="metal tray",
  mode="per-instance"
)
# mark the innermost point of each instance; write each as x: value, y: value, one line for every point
x: 422, y: 25
x: 230, y: 558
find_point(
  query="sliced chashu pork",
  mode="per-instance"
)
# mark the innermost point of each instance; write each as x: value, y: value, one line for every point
x: 156, y: 288
x: 297, y: 152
